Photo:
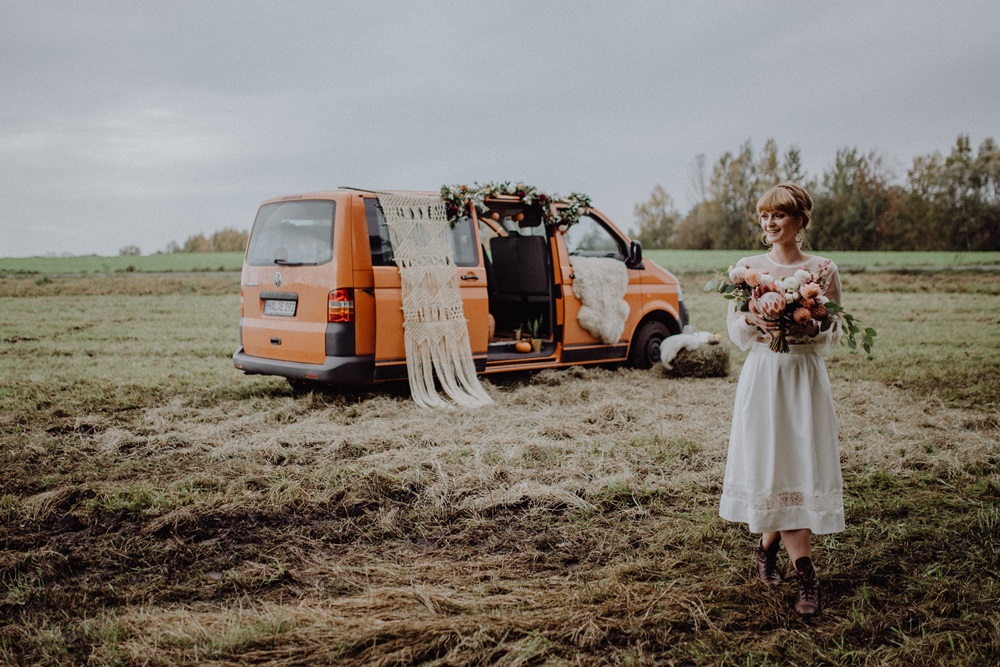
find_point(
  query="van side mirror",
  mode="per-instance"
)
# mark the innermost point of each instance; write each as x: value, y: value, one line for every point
x: 634, y: 260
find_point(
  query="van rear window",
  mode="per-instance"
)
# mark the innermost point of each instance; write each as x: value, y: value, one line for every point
x: 292, y: 233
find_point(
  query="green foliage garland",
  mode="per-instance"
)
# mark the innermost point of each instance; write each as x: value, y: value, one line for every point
x: 457, y: 196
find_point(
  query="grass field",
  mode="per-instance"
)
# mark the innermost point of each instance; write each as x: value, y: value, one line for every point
x: 180, y: 262
x: 159, y: 508
x: 680, y: 261
x: 687, y: 261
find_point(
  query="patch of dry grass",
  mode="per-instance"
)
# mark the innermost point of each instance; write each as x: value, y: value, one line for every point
x: 572, y: 523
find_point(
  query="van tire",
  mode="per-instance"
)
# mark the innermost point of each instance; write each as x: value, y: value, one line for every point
x: 645, y: 352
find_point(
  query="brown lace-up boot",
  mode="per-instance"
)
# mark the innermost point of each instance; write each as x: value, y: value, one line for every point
x: 767, y: 562
x: 807, y: 599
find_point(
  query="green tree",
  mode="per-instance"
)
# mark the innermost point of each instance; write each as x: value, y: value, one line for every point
x: 695, y: 231
x: 969, y: 190
x: 657, y: 219
x: 732, y: 188
x: 197, y: 243
x: 792, y: 167
x: 953, y: 202
x: 229, y: 240
x: 768, y: 169
x: 856, y: 204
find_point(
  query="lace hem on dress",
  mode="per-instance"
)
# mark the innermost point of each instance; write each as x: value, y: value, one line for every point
x: 831, y: 502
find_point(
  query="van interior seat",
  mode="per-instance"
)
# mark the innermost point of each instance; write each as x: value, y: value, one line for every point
x: 521, y: 268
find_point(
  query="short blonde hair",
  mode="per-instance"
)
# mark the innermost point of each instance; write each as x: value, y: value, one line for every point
x: 787, y: 197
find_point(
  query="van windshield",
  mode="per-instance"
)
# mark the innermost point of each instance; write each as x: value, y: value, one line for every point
x: 292, y: 233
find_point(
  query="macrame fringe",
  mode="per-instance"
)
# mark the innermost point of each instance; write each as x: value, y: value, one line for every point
x: 435, y: 331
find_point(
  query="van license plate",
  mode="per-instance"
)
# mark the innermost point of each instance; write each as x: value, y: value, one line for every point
x: 280, y: 307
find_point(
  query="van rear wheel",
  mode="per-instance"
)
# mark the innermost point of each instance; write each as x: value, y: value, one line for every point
x: 645, y: 352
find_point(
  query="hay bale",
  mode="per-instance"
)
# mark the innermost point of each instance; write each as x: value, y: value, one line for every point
x: 705, y: 361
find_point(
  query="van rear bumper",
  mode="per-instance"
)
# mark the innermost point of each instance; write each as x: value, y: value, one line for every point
x: 335, y: 370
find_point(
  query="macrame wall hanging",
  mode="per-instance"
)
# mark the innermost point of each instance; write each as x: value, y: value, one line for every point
x: 435, y: 330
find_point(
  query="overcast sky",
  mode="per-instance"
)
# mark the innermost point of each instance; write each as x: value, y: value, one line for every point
x: 141, y: 123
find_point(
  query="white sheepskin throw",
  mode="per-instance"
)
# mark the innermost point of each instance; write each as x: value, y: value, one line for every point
x: 689, y: 340
x: 600, y: 285
x: 435, y: 329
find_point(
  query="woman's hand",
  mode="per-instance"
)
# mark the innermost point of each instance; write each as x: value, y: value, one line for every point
x: 772, y: 327
x: 769, y: 327
x: 807, y: 330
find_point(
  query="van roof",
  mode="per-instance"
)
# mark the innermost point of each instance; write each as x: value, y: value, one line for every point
x: 343, y: 192
x: 346, y: 191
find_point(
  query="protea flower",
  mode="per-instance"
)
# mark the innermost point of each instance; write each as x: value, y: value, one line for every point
x: 769, y: 302
x: 770, y: 305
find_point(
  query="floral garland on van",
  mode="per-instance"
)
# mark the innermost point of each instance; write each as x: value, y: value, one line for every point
x: 456, y: 196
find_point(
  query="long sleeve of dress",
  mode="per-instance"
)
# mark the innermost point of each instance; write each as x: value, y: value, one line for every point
x: 831, y: 337
x: 742, y: 334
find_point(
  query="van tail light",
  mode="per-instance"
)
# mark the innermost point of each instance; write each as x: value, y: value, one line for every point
x: 340, y: 305
x: 242, y: 307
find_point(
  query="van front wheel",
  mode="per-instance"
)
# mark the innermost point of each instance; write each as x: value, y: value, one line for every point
x: 645, y: 351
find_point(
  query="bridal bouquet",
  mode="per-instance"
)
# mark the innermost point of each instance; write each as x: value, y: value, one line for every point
x: 794, y: 300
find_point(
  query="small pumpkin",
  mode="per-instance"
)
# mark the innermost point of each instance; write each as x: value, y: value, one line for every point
x: 523, y: 346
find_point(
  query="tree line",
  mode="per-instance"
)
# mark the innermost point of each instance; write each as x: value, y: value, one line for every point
x: 945, y: 202
x: 224, y: 240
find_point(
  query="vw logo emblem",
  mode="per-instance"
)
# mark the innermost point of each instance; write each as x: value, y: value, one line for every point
x: 277, y: 279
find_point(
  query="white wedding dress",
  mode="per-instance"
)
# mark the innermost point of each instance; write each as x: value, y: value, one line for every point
x: 783, y: 467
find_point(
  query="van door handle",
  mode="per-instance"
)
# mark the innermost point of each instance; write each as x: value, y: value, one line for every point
x: 470, y: 276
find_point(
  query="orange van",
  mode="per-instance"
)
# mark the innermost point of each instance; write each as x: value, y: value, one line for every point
x: 321, y: 298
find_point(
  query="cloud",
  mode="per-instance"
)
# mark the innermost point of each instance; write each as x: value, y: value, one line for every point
x: 143, y: 123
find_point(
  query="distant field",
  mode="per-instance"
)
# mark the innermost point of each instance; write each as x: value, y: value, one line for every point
x: 688, y: 261
x: 193, y: 261
x: 678, y: 261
